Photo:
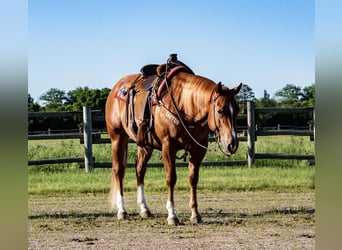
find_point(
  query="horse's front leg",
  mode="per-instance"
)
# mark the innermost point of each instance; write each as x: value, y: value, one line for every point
x: 169, y: 158
x: 196, y: 158
x: 119, y: 154
x: 144, y: 154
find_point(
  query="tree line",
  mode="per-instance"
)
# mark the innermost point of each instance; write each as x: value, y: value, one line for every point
x: 59, y: 100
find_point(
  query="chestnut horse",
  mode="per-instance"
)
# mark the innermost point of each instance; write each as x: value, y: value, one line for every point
x: 182, y: 117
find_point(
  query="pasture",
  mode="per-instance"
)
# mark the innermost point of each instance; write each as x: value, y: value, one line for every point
x: 269, y: 206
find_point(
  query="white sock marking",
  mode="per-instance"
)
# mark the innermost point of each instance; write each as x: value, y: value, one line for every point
x: 141, y: 198
x: 170, y: 210
x: 120, y: 203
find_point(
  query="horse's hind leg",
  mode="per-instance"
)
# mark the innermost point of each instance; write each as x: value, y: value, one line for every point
x: 119, y: 154
x: 169, y: 158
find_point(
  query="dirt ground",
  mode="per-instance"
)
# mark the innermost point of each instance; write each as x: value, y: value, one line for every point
x: 231, y: 220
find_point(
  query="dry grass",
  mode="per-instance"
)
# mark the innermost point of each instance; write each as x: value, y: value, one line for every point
x: 231, y: 220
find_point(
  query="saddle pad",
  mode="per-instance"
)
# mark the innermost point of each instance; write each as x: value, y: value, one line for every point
x: 122, y: 94
x: 125, y: 85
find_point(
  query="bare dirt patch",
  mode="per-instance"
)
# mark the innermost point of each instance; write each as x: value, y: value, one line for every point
x: 231, y: 220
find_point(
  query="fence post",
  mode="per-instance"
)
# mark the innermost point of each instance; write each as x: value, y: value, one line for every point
x: 250, y: 133
x: 88, y: 144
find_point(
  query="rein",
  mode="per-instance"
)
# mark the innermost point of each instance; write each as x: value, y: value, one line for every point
x: 181, y: 120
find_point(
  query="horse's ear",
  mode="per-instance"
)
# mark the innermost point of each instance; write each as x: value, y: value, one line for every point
x: 236, y: 89
x: 219, y: 88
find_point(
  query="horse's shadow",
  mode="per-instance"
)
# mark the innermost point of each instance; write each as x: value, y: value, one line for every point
x: 223, y: 218
x: 218, y: 217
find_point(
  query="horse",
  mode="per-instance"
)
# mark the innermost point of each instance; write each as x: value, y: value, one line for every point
x: 181, y: 117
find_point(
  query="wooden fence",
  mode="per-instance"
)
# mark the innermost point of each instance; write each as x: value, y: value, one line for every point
x: 88, y: 137
x: 253, y: 133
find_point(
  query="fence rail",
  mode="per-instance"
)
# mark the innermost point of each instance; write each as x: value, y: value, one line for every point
x: 284, y: 132
x: 56, y: 136
x: 253, y: 133
x: 89, y: 137
x: 56, y: 161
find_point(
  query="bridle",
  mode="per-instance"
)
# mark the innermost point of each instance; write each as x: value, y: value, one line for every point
x: 217, y: 130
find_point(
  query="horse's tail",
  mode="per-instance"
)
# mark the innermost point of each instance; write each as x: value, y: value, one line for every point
x: 112, y: 195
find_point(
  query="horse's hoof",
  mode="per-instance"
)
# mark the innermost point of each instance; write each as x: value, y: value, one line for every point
x: 146, y: 214
x: 196, y: 219
x: 122, y: 216
x: 173, y: 221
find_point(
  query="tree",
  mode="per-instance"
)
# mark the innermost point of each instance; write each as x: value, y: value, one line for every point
x: 53, y: 99
x: 266, y: 101
x: 308, y: 96
x: 290, y: 95
x: 84, y: 96
x: 31, y: 105
x: 245, y: 94
x: 265, y: 119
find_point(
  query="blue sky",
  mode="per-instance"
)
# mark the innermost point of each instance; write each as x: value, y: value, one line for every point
x: 263, y: 43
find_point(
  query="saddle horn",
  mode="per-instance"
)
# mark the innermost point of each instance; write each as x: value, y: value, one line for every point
x: 173, y: 58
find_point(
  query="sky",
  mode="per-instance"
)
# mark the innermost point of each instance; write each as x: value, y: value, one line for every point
x: 265, y: 44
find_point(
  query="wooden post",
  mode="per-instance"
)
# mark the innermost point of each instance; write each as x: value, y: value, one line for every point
x: 251, y: 133
x: 88, y: 144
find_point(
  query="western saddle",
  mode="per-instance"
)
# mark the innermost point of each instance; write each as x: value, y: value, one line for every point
x: 144, y: 92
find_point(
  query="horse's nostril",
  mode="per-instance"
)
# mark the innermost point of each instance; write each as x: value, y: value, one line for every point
x: 232, y: 147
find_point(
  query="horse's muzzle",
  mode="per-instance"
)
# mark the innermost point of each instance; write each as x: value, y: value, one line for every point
x: 232, y: 147
x: 228, y: 148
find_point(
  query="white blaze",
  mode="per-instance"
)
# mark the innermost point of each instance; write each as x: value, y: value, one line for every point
x: 232, y: 121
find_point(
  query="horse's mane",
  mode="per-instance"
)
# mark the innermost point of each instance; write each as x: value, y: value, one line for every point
x: 192, y: 93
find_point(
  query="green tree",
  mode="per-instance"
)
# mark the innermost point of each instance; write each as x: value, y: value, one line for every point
x: 32, y: 106
x: 265, y: 119
x: 266, y: 101
x: 308, y: 96
x: 289, y: 96
x: 53, y: 99
x: 246, y: 94
x: 84, y: 96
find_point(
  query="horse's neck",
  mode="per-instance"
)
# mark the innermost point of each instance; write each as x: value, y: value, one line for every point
x: 193, y: 97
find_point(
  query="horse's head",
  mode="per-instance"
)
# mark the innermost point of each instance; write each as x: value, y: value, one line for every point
x: 222, y: 117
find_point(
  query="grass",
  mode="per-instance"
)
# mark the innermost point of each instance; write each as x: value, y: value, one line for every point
x: 275, y: 175
x: 212, y: 179
x: 42, y: 149
x: 234, y: 220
